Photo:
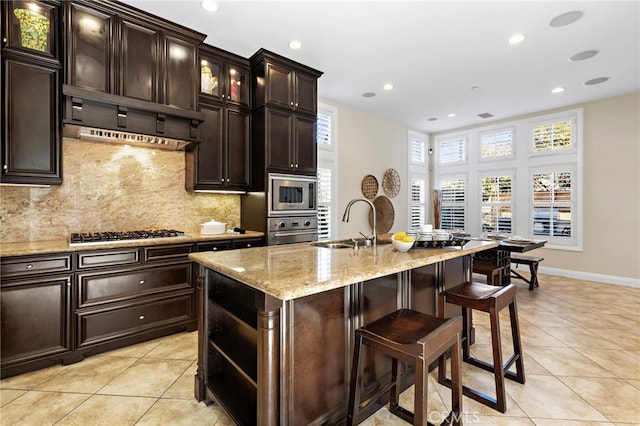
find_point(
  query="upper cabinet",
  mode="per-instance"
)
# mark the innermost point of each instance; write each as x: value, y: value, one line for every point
x: 285, y: 104
x: 124, y: 52
x: 131, y: 71
x: 30, y: 94
x: 221, y: 161
x: 284, y: 83
x: 224, y: 76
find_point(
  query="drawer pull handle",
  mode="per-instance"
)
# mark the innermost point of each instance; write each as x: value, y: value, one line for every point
x: 29, y: 266
x: 141, y: 317
x: 141, y: 281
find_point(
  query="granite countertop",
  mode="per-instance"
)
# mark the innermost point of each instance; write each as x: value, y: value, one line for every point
x: 296, y: 270
x: 62, y: 246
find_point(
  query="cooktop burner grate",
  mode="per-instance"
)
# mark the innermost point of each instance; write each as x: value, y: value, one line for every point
x: 118, y: 236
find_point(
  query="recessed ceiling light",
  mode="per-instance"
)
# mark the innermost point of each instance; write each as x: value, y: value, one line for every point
x: 516, y: 38
x: 594, y: 81
x: 388, y: 86
x: 295, y: 45
x: 368, y: 95
x: 557, y: 90
x: 583, y: 55
x: 451, y: 115
x: 565, y: 19
x: 209, y: 5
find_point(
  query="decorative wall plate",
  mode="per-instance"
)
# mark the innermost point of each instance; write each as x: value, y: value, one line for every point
x: 369, y: 186
x: 391, y: 183
x: 385, y: 214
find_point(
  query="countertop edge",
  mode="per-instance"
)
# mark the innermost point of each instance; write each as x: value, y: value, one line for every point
x: 416, y: 258
x: 27, y: 248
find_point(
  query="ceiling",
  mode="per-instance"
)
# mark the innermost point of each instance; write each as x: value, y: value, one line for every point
x: 441, y: 57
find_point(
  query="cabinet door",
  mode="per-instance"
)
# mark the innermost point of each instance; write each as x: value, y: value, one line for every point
x: 32, y: 26
x: 279, y: 85
x: 306, y: 93
x: 30, y: 132
x: 237, y: 81
x: 278, y: 140
x: 237, y: 148
x: 89, y: 48
x: 139, y: 62
x: 211, y: 75
x: 35, y: 319
x: 305, y: 133
x: 209, y: 152
x: 180, y: 69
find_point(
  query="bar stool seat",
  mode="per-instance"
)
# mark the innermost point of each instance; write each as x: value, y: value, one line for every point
x: 416, y: 339
x: 490, y: 299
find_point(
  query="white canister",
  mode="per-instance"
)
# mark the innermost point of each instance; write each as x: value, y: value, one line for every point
x: 212, y: 227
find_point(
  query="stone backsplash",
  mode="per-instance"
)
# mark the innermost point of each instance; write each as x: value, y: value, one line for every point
x: 111, y: 188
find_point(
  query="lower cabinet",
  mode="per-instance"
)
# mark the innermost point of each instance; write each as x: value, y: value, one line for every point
x: 59, y: 308
x: 35, y: 312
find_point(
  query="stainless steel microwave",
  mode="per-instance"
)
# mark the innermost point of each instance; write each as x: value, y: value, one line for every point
x: 292, y: 194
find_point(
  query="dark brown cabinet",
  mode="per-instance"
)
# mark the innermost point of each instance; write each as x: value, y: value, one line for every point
x: 119, y: 50
x: 31, y: 148
x: 221, y: 161
x: 284, y: 116
x: 35, y: 311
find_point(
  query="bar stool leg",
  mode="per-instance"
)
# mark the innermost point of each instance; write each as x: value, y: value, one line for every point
x: 354, y: 392
x: 456, y: 384
x: 394, y: 399
x: 517, y: 345
x: 498, y: 369
x: 420, y: 393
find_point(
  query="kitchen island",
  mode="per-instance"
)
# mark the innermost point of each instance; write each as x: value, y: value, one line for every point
x: 276, y: 323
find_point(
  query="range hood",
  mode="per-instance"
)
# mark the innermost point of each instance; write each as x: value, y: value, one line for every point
x: 104, y: 117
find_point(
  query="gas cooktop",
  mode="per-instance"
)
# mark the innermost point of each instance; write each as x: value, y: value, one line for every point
x: 118, y: 236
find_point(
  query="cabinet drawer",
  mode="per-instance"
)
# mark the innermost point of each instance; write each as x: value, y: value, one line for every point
x: 246, y: 243
x: 33, y: 265
x: 214, y: 246
x: 92, y: 259
x: 174, y: 251
x: 95, y: 288
x: 101, y: 325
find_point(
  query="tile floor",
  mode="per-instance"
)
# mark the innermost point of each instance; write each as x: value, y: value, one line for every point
x: 582, y: 362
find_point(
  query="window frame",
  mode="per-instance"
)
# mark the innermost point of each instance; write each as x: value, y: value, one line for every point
x: 417, y: 170
x: 512, y: 156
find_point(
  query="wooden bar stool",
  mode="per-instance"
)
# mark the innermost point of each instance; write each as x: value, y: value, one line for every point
x: 490, y: 299
x: 417, y: 339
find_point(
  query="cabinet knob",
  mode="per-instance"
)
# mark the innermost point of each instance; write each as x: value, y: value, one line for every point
x: 215, y: 249
x: 141, y: 317
x: 5, y: 167
x: 296, y: 105
x: 291, y: 165
x: 248, y: 245
x: 296, y: 165
x: 291, y: 103
x: 29, y: 266
x: 141, y: 282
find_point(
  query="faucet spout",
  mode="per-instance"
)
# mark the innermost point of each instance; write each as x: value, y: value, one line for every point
x: 347, y: 211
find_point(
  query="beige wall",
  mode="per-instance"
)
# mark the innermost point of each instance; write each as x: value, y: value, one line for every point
x: 368, y: 145
x: 611, y: 251
x: 111, y: 188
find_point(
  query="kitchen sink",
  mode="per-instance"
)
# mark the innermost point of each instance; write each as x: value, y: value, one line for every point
x: 349, y: 243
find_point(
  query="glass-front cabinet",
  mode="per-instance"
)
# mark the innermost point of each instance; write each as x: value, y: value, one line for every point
x: 224, y: 77
x: 31, y: 26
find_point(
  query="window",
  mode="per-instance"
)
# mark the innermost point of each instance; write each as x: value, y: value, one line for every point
x: 452, y: 150
x: 553, y: 203
x: 496, y: 204
x: 522, y: 177
x: 417, y: 180
x: 496, y: 145
x: 453, y: 204
x: 326, y: 131
x: 552, y: 136
x: 324, y: 203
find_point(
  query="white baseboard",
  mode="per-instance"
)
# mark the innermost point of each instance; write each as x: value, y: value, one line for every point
x: 587, y: 276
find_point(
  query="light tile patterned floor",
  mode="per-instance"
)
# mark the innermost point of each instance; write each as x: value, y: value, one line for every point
x: 582, y: 360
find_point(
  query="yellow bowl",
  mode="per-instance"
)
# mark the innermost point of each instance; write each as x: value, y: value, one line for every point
x: 401, y: 246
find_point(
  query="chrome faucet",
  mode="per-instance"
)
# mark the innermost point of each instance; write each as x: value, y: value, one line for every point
x: 345, y: 217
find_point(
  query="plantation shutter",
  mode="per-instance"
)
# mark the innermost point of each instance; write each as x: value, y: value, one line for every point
x: 452, y: 211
